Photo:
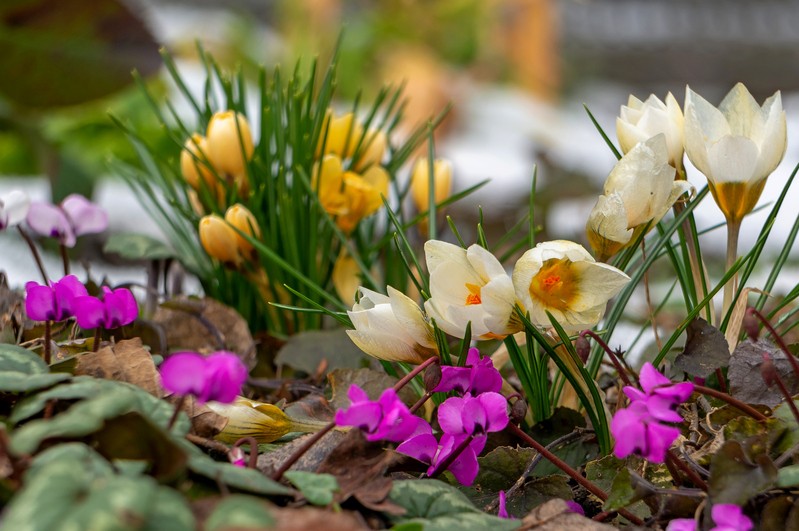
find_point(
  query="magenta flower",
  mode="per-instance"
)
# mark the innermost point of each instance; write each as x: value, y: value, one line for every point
x: 638, y: 432
x: 386, y: 419
x: 478, y: 376
x: 473, y: 415
x: 54, y: 302
x: 682, y: 524
x: 575, y: 507
x: 502, y: 512
x: 661, y: 395
x: 730, y: 517
x: 218, y: 376
x: 74, y: 217
x: 117, y: 308
x: 425, y: 448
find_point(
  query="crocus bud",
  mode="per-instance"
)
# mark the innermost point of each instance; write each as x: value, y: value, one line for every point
x: 583, y: 348
x: 518, y: 411
x: 340, y: 135
x: 751, y: 325
x: 219, y: 240
x: 420, y: 182
x: 229, y: 143
x: 432, y: 376
x: 768, y: 371
x: 241, y: 218
x: 193, y: 164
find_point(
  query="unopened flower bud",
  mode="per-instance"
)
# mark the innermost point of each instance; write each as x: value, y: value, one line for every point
x: 518, y: 411
x: 193, y: 164
x: 237, y: 457
x: 750, y: 324
x: 432, y: 376
x: 241, y: 218
x: 583, y: 348
x: 340, y: 135
x: 768, y: 371
x: 420, y: 182
x: 230, y: 144
x: 219, y: 240
x: 247, y: 418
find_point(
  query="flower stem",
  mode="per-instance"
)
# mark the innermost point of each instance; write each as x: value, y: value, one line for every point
x: 419, y: 403
x: 733, y: 229
x: 253, y: 444
x: 178, y: 408
x: 734, y: 402
x: 96, y: 345
x: 65, y: 258
x: 778, y: 338
x: 47, y: 341
x: 418, y: 369
x: 613, y: 358
x: 36, y: 256
x: 687, y: 470
x: 788, y: 398
x: 572, y: 473
x: 445, y: 464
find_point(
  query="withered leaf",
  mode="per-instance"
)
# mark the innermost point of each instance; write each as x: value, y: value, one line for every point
x: 735, y: 478
x: 304, y: 351
x: 269, y: 462
x: 302, y: 519
x: 127, y: 361
x: 205, y: 325
x: 705, y: 349
x: 746, y: 382
x: 360, y: 468
x: 555, y: 515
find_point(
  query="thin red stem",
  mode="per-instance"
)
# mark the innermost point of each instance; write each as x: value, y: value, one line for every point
x: 253, y: 444
x: 418, y: 369
x: 288, y: 463
x: 36, y: 256
x: 687, y: 470
x: 746, y: 408
x: 787, y: 395
x: 616, y: 363
x: 445, y: 464
x: 47, y: 341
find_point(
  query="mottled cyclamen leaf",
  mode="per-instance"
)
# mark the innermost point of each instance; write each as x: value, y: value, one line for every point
x: 705, y: 350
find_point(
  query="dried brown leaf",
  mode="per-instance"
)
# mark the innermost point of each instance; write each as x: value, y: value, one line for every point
x: 705, y: 349
x: 746, y: 382
x: 127, y: 361
x: 555, y: 515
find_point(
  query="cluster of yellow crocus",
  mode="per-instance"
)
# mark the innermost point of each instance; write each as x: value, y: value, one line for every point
x: 348, y: 175
x: 736, y: 146
x: 221, y: 241
x: 219, y: 159
x: 469, y: 287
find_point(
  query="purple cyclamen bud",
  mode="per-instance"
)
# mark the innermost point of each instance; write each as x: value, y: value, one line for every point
x: 432, y: 377
x: 751, y: 325
x: 768, y: 371
x: 583, y: 348
x: 518, y: 411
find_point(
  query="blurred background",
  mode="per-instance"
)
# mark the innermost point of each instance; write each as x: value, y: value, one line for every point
x: 516, y: 73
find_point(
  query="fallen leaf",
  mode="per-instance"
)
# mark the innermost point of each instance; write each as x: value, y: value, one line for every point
x: 127, y: 361
x: 555, y: 515
x: 705, y: 350
x: 305, y: 518
x: 205, y: 325
x: 746, y: 382
x: 269, y: 462
x: 306, y: 350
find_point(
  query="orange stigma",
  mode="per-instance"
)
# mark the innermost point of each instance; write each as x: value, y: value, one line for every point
x: 474, y: 294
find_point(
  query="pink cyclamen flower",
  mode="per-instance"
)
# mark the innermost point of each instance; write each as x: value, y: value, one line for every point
x: 218, y: 376
x: 502, y: 512
x: 638, y: 432
x: 730, y: 517
x: 478, y: 376
x: 74, y: 217
x: 117, y: 308
x: 682, y: 524
x: 474, y: 415
x: 14, y: 207
x: 426, y: 448
x: 575, y: 507
x: 387, y: 418
x: 661, y: 394
x: 54, y: 302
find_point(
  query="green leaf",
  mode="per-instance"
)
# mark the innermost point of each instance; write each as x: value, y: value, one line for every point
x: 240, y: 512
x: 247, y: 479
x: 628, y: 488
x: 18, y: 359
x: 735, y: 478
x: 441, y: 507
x: 318, y: 489
x: 788, y: 476
x: 169, y: 512
x: 137, y: 247
x: 18, y: 382
x: 71, y: 51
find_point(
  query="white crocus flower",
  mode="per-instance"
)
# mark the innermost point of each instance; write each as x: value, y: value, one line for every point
x: 469, y: 285
x: 639, y: 121
x: 736, y: 146
x: 14, y: 207
x: 637, y: 194
x: 562, y: 278
x: 391, y: 328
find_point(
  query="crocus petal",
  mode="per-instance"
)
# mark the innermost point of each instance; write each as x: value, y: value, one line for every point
x: 86, y: 217
x: 39, y: 302
x: 183, y: 373
x: 89, y: 312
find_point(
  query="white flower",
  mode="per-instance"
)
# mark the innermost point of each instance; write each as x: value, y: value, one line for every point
x: 637, y: 194
x: 14, y: 206
x: 562, y: 278
x: 391, y: 328
x: 639, y: 121
x: 736, y: 146
x: 469, y: 285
